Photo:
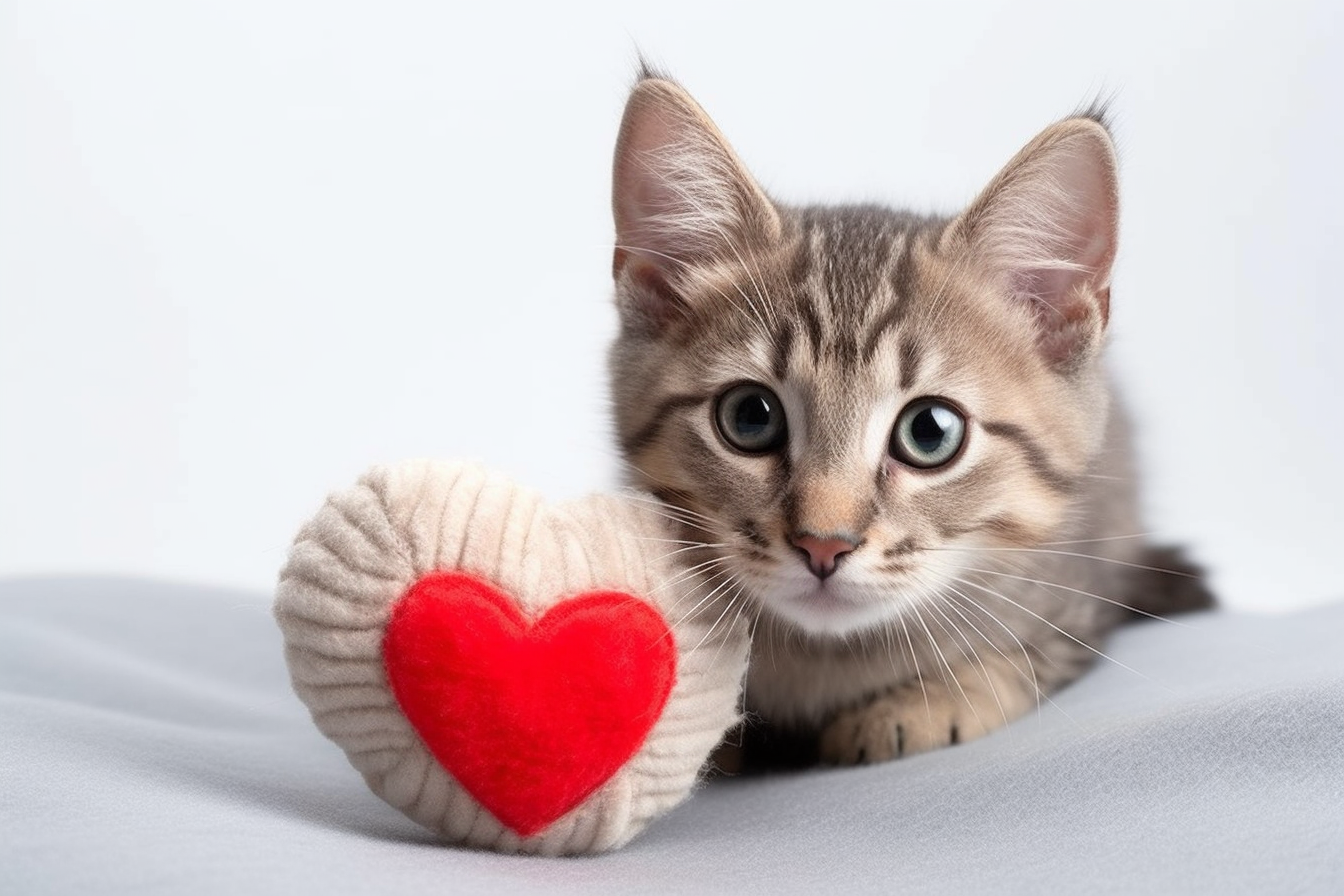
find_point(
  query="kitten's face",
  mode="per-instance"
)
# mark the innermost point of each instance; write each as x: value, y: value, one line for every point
x: 850, y: 402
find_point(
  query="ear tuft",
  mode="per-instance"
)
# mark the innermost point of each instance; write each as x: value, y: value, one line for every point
x: 1045, y: 229
x: 649, y: 71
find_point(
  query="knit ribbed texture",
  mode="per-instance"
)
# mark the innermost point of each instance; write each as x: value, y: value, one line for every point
x: 367, y: 545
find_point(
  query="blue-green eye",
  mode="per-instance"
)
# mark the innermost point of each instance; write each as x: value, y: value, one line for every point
x: 928, y: 433
x: 751, y: 418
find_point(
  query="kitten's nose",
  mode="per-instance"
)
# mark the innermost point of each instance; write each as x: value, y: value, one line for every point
x: 823, y: 553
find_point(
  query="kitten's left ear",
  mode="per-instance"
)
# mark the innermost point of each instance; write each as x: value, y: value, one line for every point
x: 681, y: 199
x: 1045, y: 229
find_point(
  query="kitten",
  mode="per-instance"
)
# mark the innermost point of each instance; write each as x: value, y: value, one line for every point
x: 888, y: 437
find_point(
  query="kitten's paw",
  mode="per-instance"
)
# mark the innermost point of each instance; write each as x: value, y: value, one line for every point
x: 898, y: 724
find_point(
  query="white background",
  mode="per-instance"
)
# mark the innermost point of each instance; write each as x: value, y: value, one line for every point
x: 248, y: 248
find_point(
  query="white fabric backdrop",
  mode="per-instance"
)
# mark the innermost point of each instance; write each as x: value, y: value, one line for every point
x: 249, y: 248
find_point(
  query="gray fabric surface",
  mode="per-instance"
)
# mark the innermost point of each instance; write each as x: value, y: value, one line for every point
x: 149, y: 743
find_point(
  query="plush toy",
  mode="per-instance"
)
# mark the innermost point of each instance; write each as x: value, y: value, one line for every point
x: 513, y: 676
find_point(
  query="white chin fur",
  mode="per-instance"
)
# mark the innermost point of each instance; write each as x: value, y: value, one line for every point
x: 829, y: 608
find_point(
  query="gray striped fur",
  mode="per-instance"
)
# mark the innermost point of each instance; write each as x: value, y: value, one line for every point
x: 977, y: 588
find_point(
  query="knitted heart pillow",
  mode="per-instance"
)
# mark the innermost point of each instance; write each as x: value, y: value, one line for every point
x: 514, y: 676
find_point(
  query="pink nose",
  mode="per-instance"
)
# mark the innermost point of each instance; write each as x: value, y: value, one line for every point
x: 822, y: 553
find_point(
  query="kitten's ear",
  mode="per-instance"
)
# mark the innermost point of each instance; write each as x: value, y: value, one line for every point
x: 1045, y: 228
x: 681, y: 199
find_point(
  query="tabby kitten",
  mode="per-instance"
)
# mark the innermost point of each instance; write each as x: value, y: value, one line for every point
x: 888, y: 438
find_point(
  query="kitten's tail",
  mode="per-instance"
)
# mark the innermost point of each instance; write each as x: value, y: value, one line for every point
x: 1174, y: 585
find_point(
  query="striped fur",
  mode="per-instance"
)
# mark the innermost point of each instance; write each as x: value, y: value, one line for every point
x: 977, y: 587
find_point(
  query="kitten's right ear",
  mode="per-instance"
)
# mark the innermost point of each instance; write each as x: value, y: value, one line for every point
x: 1046, y: 229
x: 681, y: 199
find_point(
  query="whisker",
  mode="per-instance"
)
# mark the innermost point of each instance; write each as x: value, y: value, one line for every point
x: 1175, y: 572
x: 637, y: 495
x: 1035, y: 681
x: 737, y: 617
x: 727, y: 583
x: 682, y: 575
x: 1069, y: 588
x: 703, y: 580
x: 682, y: 520
x: 919, y: 673
x: 1071, y: 637
x: 691, y: 546
x: 728, y: 606
x: 697, y: 593
x: 1096, y: 540
x: 678, y: 514
x: 890, y: 643
x: 946, y: 665
x: 770, y: 632
x: 1026, y: 653
x: 975, y: 654
x: 751, y: 632
x: 1031, y: 679
x: 686, y: 541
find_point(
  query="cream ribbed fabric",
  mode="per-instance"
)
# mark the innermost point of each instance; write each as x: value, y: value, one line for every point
x: 353, y: 561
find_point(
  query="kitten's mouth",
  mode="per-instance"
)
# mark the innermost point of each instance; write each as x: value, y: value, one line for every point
x: 826, y: 595
x: 828, y: 608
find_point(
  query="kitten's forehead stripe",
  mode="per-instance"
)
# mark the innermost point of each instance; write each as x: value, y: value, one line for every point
x: 888, y: 320
x: 812, y: 324
x: 902, y: 275
x: 853, y: 278
x: 911, y: 355
x: 783, y: 349
x: 800, y: 267
x: 857, y: 244
x: 901, y: 281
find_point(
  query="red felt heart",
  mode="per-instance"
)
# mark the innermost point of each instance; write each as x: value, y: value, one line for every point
x: 529, y: 717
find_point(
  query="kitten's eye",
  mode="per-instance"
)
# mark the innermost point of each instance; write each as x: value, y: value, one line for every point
x: 928, y: 433
x: 751, y: 418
